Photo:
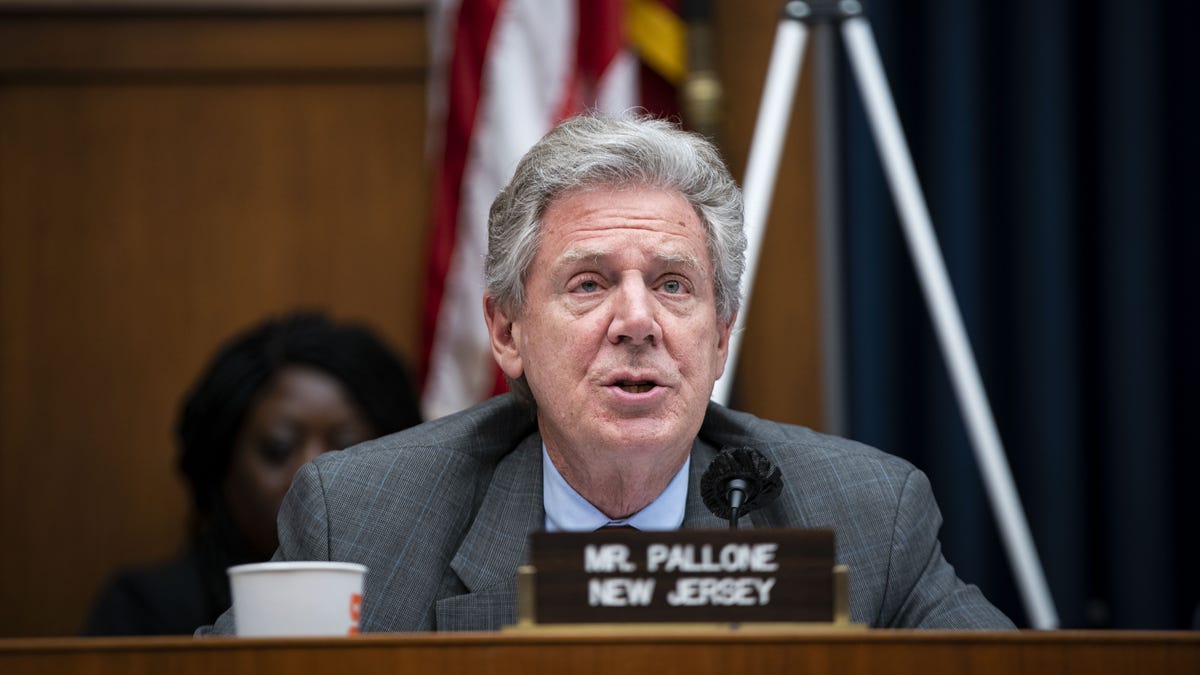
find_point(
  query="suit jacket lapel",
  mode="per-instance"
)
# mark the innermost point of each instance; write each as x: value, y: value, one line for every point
x: 497, y: 543
x: 696, y: 515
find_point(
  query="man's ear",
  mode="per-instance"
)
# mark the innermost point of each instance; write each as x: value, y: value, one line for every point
x: 501, y: 329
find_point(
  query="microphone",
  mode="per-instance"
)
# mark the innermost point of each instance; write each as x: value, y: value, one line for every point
x: 738, y: 481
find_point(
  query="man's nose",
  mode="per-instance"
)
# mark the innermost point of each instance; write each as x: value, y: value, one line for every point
x: 634, y: 314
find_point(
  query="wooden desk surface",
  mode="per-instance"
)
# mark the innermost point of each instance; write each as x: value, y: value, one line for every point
x: 659, y: 652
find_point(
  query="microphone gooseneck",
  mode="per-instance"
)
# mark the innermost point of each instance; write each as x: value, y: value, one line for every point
x: 735, y: 493
x: 738, y: 481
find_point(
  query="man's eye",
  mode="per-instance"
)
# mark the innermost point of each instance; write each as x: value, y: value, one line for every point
x: 673, y: 286
x: 588, y: 286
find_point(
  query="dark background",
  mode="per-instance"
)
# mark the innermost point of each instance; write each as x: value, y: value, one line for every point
x: 1056, y: 145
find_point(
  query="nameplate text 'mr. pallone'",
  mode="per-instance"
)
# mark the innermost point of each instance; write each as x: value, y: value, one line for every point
x: 683, y: 576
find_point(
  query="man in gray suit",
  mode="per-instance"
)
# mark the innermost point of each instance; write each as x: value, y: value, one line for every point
x: 614, y: 268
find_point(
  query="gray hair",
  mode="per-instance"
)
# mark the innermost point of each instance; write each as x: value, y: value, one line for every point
x: 598, y: 151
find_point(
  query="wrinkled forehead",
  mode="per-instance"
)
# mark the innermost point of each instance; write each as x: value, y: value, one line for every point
x: 613, y: 191
x: 579, y: 221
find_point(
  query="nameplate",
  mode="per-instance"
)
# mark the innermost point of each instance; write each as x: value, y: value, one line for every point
x: 684, y: 576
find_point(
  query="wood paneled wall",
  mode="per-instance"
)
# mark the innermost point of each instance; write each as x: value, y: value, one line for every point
x: 167, y: 179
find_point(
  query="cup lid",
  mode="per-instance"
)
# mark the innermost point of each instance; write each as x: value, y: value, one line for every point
x: 297, y: 566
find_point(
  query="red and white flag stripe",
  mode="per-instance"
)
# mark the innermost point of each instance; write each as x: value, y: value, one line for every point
x: 503, y: 73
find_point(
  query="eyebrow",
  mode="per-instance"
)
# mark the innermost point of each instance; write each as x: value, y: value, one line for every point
x: 669, y: 258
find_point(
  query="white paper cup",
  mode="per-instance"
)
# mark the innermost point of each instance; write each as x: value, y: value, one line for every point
x: 297, y: 598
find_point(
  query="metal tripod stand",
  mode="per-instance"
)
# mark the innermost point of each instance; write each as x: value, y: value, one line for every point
x: 783, y: 75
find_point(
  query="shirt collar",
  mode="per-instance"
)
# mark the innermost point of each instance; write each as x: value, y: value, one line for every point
x: 568, y: 511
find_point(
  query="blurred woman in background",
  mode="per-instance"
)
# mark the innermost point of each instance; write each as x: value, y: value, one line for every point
x: 272, y: 399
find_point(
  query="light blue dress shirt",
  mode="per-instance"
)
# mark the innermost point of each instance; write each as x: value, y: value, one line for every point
x: 568, y: 511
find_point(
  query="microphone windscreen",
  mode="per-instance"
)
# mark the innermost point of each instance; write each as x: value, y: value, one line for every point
x: 763, y: 481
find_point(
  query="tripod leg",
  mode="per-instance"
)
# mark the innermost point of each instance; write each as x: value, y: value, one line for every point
x: 947, y: 321
x: 829, y: 219
x: 762, y: 167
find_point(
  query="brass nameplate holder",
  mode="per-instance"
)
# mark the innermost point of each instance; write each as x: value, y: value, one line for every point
x: 683, y: 579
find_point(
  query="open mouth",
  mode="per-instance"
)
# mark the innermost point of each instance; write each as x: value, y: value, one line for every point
x: 635, y: 387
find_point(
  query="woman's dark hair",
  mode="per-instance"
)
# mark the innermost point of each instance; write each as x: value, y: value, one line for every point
x: 213, y: 411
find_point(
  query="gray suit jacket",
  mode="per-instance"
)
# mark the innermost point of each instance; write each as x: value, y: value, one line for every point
x: 441, y: 514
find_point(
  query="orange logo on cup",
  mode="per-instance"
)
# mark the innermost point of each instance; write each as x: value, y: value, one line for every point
x: 355, y: 613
